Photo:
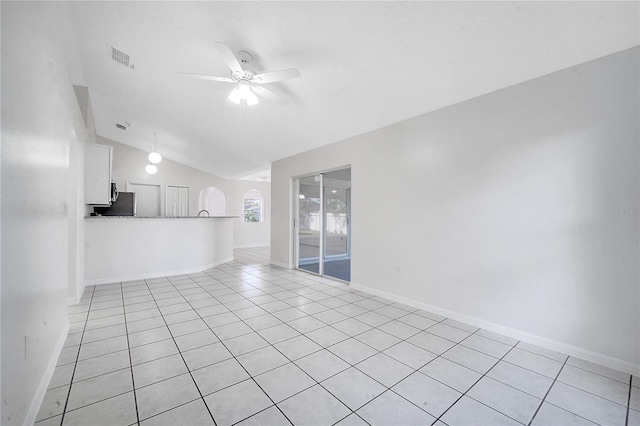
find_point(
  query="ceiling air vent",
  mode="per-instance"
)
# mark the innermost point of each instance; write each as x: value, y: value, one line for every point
x: 121, y: 126
x: 120, y: 57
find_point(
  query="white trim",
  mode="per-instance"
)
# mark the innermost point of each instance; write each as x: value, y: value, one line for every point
x: 280, y: 264
x: 123, y: 278
x: 161, y: 193
x: 585, y: 354
x: 74, y: 300
x: 251, y: 246
x: 294, y: 218
x: 323, y: 227
x: 46, y: 377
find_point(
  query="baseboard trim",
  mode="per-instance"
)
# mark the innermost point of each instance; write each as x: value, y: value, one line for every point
x: 575, y: 351
x: 252, y: 246
x: 32, y: 414
x: 74, y: 300
x: 280, y: 264
x: 160, y: 274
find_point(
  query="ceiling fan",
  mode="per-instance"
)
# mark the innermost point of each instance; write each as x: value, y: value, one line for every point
x: 248, y: 84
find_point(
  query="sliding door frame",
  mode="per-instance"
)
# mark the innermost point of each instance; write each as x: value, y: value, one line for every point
x: 295, y: 186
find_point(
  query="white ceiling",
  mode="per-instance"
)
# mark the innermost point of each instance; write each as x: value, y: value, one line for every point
x: 364, y: 65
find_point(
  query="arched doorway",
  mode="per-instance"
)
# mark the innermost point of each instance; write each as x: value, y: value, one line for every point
x: 212, y: 200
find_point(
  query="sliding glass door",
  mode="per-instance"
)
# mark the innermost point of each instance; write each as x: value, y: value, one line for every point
x: 323, y: 228
x: 308, y: 227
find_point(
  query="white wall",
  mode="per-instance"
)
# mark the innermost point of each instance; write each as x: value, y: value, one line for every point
x: 126, y: 249
x: 75, y: 228
x: 129, y: 164
x: 252, y: 234
x: 39, y: 117
x: 497, y: 210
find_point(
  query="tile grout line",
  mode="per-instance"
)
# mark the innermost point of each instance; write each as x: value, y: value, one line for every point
x: 133, y: 380
x: 475, y: 383
x: 398, y: 342
x: 271, y: 345
x: 232, y: 278
x: 321, y: 347
x: 328, y: 308
x: 421, y: 330
x: 548, y: 390
x: 183, y: 360
x: 335, y: 309
x: 594, y: 372
x: 234, y: 357
x: 354, y: 365
x: 378, y: 351
x: 75, y: 365
x: 402, y: 340
x: 289, y: 359
x: 626, y: 421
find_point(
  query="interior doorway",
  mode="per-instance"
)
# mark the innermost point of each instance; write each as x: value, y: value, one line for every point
x: 148, y: 199
x: 213, y: 201
x: 323, y: 224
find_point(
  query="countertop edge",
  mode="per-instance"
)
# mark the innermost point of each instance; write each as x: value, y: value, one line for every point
x: 158, y: 217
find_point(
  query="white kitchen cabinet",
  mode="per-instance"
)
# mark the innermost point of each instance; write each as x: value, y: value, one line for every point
x: 97, y: 187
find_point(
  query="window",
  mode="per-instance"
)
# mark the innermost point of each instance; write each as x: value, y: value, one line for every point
x: 253, y: 202
x: 252, y: 210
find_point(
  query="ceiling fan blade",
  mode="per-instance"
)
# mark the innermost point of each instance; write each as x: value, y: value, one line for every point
x: 269, y: 95
x: 274, y: 76
x: 207, y: 77
x: 229, y: 57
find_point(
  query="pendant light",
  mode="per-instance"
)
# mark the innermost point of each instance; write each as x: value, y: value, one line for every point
x: 154, y: 157
x: 151, y: 169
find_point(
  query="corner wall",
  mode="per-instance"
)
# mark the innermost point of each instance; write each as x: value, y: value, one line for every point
x: 517, y: 210
x: 40, y: 115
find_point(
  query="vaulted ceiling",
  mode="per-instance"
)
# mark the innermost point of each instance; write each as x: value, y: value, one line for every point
x: 364, y: 65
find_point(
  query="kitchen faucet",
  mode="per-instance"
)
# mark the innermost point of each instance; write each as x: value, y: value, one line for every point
x: 206, y: 211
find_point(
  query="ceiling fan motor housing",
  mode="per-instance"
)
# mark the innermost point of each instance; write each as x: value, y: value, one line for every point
x: 245, y: 57
x: 248, y: 83
x: 244, y: 75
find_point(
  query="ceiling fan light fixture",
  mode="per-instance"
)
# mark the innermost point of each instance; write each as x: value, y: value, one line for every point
x: 251, y: 99
x: 243, y: 92
x: 234, y: 96
x: 244, y: 89
x: 247, y: 82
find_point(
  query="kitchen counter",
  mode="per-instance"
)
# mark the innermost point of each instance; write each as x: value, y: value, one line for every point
x: 160, y: 217
x: 127, y: 248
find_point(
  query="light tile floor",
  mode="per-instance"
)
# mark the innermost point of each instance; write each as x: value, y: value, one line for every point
x: 251, y: 344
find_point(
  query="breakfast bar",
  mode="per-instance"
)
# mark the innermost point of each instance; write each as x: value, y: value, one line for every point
x: 119, y: 248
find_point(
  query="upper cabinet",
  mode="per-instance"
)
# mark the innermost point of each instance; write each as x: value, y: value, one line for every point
x: 97, y: 187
